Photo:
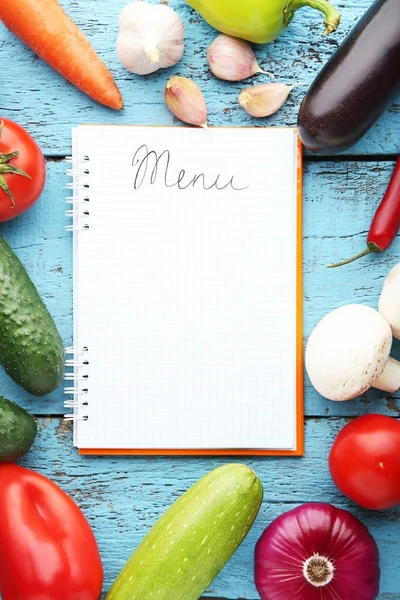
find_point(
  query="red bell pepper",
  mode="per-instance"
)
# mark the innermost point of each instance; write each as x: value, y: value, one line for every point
x: 47, y: 548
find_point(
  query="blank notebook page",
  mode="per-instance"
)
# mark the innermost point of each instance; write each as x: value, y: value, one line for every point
x: 185, y: 287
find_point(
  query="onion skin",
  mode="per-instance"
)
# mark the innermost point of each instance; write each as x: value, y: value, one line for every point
x: 317, y: 528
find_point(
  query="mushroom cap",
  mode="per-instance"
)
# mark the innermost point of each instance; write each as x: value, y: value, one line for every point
x: 389, y: 300
x: 347, y: 351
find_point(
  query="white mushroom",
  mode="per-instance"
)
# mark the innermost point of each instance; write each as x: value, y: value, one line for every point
x: 389, y: 300
x: 348, y: 352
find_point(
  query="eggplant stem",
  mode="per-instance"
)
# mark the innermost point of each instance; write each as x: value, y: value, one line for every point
x: 367, y: 250
x: 332, y: 14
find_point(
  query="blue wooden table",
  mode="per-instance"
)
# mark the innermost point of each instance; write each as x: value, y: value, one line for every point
x: 122, y: 497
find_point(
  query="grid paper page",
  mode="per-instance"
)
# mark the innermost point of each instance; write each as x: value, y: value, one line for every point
x: 185, y: 288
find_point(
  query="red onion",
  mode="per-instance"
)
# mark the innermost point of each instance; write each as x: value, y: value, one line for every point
x: 317, y: 552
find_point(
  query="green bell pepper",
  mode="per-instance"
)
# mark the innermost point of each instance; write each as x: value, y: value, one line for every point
x: 259, y: 21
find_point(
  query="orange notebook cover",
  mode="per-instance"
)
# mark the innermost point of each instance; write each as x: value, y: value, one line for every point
x: 187, y: 247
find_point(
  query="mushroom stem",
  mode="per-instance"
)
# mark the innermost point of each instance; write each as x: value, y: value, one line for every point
x: 389, y: 380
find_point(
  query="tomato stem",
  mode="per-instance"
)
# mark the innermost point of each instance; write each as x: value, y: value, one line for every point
x: 4, y: 158
x: 6, y: 168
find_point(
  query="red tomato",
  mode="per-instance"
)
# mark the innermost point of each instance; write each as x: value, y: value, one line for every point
x: 17, y: 191
x: 47, y: 549
x: 365, y: 461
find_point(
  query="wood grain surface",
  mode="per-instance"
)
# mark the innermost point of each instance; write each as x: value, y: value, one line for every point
x: 122, y: 497
x: 40, y: 99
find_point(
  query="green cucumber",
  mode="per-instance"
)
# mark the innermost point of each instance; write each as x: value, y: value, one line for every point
x: 193, y: 540
x: 31, y: 349
x: 17, y: 431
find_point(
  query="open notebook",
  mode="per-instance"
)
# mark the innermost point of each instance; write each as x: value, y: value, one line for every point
x: 187, y: 291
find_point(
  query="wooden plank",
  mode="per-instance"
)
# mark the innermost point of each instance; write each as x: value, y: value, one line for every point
x: 122, y: 497
x: 339, y: 201
x: 45, y: 248
x: 38, y: 98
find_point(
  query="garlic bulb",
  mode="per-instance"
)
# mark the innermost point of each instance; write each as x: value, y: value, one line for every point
x: 185, y: 100
x: 151, y: 37
x: 232, y: 59
x: 265, y: 99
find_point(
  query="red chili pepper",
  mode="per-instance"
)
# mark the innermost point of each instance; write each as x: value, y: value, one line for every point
x: 47, y: 548
x: 386, y: 221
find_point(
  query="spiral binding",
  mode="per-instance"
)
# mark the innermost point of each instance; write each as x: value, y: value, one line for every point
x: 77, y: 361
x: 80, y: 388
x: 78, y: 201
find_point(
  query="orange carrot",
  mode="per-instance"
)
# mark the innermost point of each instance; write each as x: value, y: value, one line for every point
x: 48, y: 31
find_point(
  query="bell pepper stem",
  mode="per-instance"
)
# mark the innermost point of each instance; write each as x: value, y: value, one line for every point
x: 332, y: 15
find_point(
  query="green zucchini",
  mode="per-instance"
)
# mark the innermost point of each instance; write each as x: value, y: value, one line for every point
x: 17, y: 431
x: 193, y: 540
x: 31, y: 349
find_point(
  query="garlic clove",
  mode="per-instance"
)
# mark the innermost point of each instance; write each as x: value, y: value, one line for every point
x: 232, y: 59
x: 186, y: 101
x: 265, y: 99
x: 151, y: 37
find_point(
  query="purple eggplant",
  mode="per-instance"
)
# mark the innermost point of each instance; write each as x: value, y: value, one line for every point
x: 356, y: 85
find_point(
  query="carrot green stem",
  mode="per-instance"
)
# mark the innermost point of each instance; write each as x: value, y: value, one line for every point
x: 349, y: 260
